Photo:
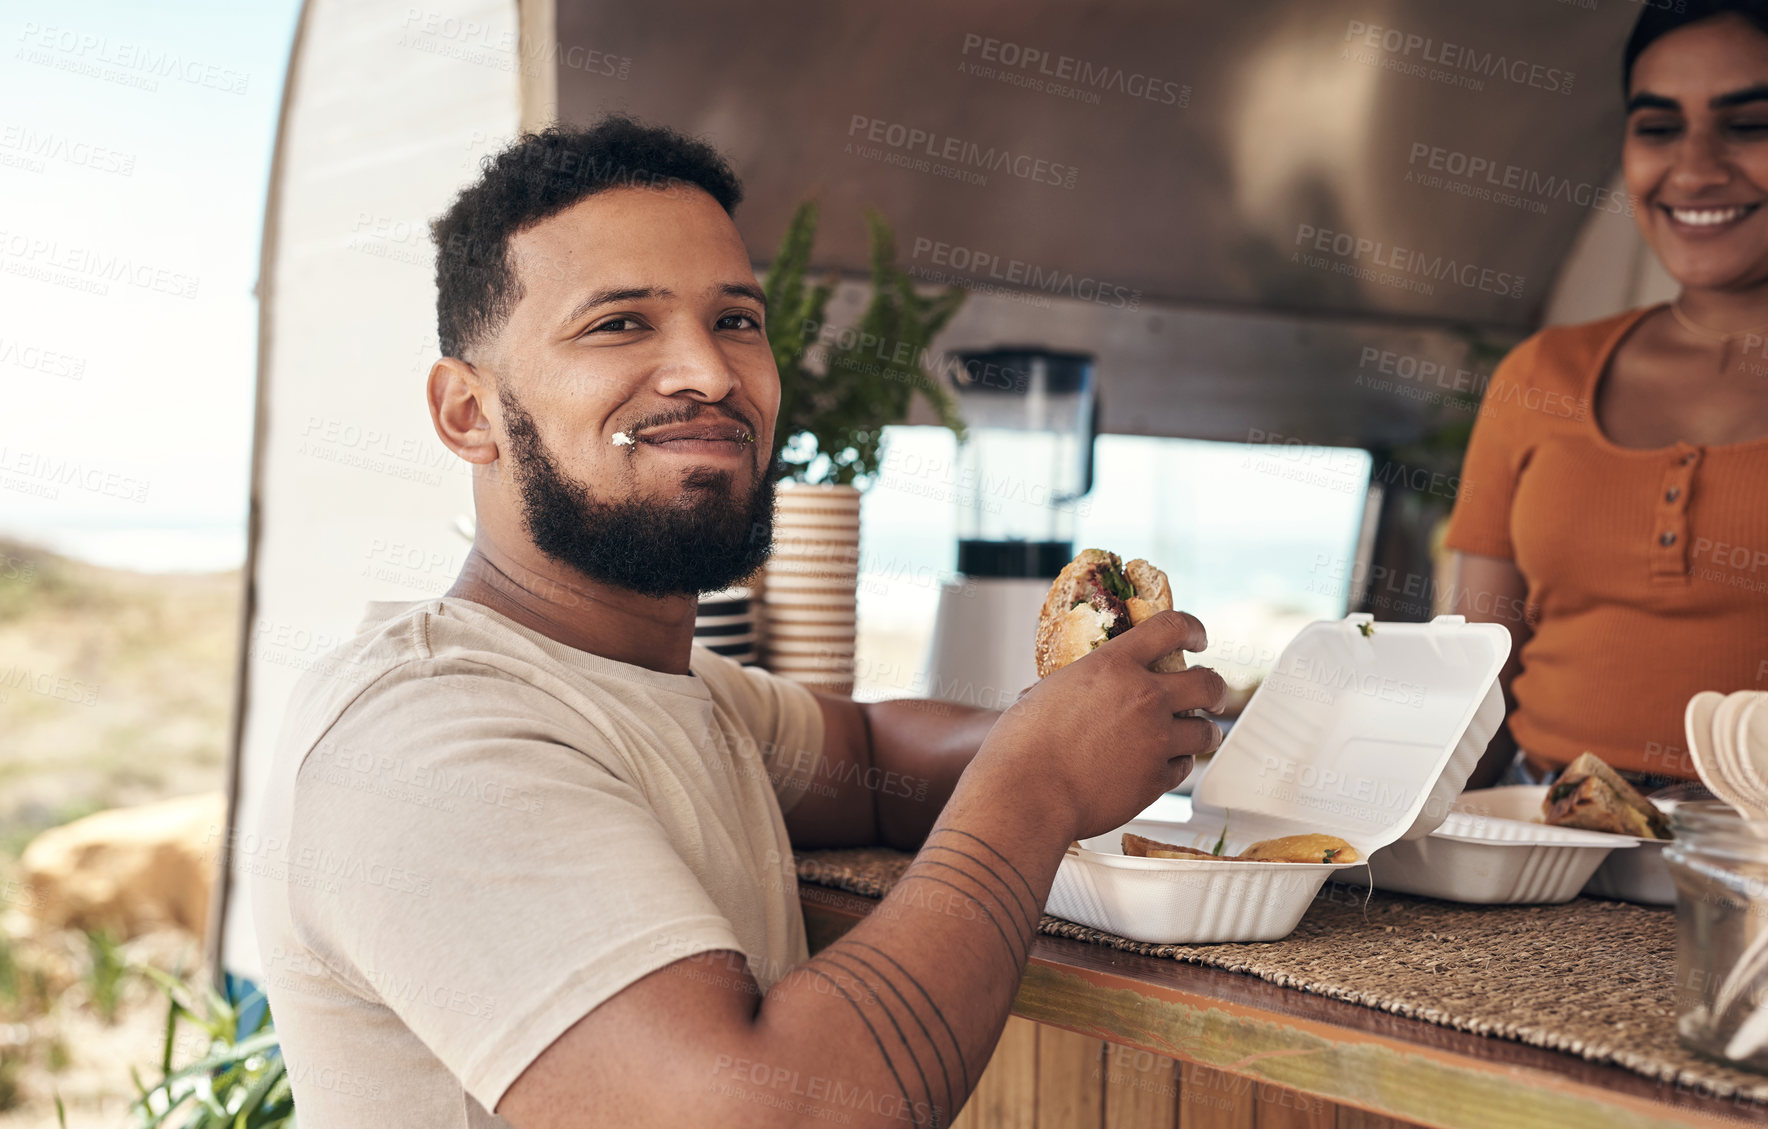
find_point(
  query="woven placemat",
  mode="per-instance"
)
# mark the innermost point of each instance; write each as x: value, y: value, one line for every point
x: 1590, y: 978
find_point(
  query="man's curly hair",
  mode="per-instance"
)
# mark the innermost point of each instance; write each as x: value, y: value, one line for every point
x: 538, y: 176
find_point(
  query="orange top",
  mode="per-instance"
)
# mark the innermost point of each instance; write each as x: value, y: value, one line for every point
x: 1647, y: 569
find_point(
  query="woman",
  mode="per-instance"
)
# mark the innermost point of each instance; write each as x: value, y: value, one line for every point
x: 1613, y: 512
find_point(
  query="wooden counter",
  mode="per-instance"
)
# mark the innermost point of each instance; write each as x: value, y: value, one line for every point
x: 1114, y: 1039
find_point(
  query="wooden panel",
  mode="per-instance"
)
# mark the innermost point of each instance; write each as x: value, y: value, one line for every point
x: 1214, y: 1099
x: 1282, y: 1108
x: 1416, y: 1072
x: 1141, y: 1089
x: 1006, y: 1096
x: 1418, y: 1080
x: 1070, y: 1079
x: 1350, y: 1117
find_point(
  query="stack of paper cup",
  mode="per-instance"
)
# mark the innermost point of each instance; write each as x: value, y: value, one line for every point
x: 811, y: 583
x: 725, y: 624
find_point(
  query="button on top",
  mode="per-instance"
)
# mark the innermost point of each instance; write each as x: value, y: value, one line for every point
x: 1667, y: 538
x: 1672, y: 493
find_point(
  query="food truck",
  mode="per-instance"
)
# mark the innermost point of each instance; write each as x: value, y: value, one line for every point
x: 1233, y: 283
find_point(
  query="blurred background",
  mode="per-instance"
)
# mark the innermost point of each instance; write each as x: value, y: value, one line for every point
x: 1278, y: 247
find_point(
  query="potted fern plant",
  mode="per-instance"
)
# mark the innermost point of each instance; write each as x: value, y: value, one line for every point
x: 839, y: 390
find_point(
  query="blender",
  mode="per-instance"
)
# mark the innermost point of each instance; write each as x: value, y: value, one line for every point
x: 1025, y: 465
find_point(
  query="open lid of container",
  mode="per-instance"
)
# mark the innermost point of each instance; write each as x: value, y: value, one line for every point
x: 1354, y: 725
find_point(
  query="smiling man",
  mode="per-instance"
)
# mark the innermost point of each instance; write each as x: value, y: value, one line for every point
x: 539, y: 846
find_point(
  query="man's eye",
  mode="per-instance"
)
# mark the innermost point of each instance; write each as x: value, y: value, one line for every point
x: 1750, y: 128
x: 738, y: 321
x: 615, y: 325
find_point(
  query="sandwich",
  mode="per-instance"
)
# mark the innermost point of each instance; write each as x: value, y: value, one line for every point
x: 1097, y: 597
x: 1135, y: 846
x: 1290, y: 848
x: 1591, y: 795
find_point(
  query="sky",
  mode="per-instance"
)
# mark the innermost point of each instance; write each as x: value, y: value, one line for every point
x: 135, y: 146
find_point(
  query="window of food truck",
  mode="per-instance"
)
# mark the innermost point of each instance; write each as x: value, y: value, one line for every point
x: 1256, y: 540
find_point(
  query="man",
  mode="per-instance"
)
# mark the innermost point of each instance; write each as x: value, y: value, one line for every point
x: 600, y: 927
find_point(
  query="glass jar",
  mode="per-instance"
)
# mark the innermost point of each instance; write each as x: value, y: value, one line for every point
x: 1026, y: 460
x: 1719, y: 861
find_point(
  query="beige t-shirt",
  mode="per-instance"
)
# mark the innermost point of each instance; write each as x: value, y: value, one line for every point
x: 474, y: 835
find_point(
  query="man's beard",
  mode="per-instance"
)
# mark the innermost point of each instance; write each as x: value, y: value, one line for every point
x: 705, y: 539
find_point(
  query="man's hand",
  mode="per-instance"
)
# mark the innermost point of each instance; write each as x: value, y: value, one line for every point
x: 1096, y: 742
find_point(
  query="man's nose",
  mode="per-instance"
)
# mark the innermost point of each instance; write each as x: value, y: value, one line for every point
x: 697, y: 366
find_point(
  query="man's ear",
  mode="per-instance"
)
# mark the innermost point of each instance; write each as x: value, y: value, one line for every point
x: 458, y: 393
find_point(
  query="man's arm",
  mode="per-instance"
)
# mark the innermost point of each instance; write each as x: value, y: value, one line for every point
x: 887, y: 770
x: 892, y: 1024
x: 1492, y: 590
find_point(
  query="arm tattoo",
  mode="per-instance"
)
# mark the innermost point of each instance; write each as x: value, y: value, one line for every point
x: 957, y: 1048
x: 1013, y: 919
x: 1013, y: 951
x: 889, y: 1063
x: 1029, y: 892
x: 1028, y: 916
x: 879, y: 981
x: 840, y: 962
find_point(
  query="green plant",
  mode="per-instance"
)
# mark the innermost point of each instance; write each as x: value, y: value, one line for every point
x: 24, y: 987
x: 831, y: 422
x: 240, y: 1083
x: 12, y: 1059
x: 106, y: 973
x: 12, y: 977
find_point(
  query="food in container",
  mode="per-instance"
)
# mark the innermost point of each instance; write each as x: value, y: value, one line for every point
x: 1182, y: 901
x: 1289, y: 848
x: 1493, y: 850
x: 1630, y: 875
x: 1720, y: 864
x: 1363, y: 731
x: 1593, y: 796
x: 1485, y: 861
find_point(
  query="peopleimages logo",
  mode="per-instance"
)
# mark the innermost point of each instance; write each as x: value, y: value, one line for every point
x: 1484, y: 178
x: 124, y: 62
x: 1375, y: 253
x: 43, y: 475
x: 34, y: 147
x: 927, y: 151
x: 89, y: 269
x: 1427, y: 51
x: 1037, y: 69
x: 980, y: 264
